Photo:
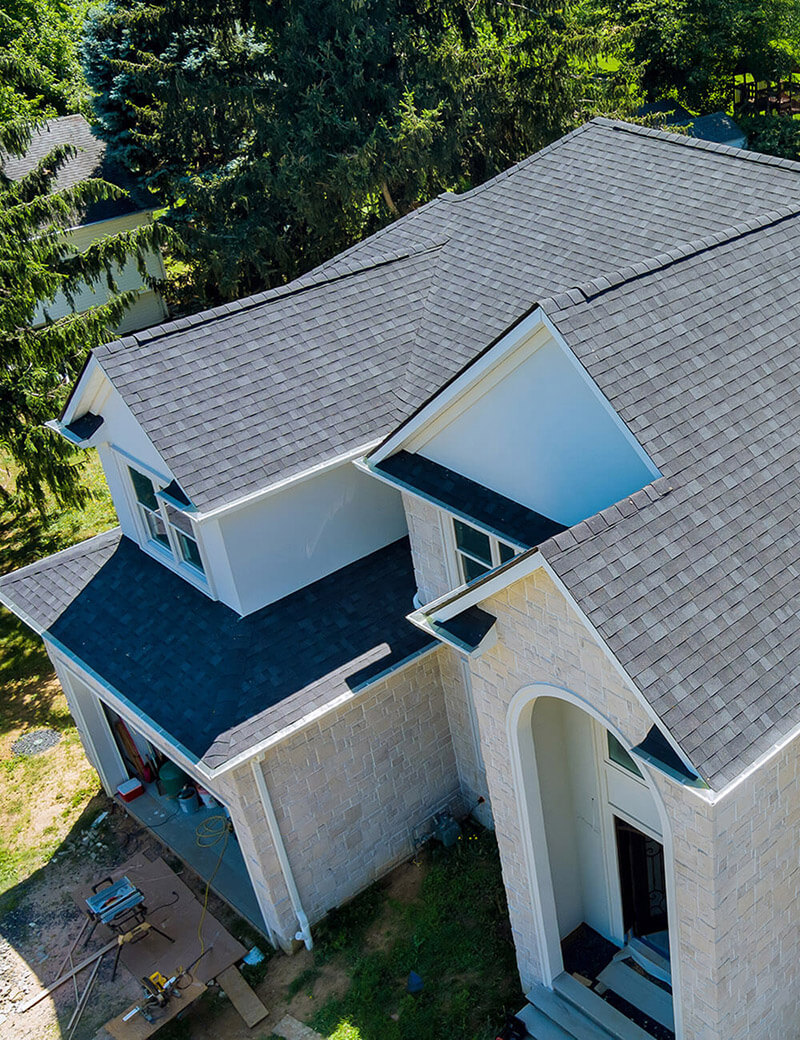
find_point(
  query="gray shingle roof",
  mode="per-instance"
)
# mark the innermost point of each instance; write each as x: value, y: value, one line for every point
x: 90, y: 161
x: 257, y: 390
x: 215, y: 682
x: 693, y: 581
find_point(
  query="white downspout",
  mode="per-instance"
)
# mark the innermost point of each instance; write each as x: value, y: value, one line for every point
x: 277, y: 840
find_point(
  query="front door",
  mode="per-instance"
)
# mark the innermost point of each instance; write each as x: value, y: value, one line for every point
x: 643, y: 881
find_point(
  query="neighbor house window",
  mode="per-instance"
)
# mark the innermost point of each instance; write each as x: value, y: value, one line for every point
x: 618, y: 754
x: 478, y: 552
x: 164, y: 525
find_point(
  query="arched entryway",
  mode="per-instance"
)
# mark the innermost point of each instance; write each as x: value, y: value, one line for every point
x: 598, y: 849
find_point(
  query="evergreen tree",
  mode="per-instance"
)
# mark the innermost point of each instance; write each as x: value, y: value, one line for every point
x: 279, y: 133
x: 38, y: 363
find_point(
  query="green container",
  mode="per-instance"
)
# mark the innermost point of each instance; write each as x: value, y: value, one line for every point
x: 171, y: 780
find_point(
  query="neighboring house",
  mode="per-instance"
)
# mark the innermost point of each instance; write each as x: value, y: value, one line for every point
x: 98, y: 220
x: 494, y: 512
x: 717, y: 127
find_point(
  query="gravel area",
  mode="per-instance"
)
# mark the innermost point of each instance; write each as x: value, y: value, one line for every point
x: 36, y: 742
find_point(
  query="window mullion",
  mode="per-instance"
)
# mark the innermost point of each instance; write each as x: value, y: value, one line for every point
x: 173, y: 538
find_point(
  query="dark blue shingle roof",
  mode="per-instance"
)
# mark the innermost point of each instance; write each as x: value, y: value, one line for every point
x: 218, y: 683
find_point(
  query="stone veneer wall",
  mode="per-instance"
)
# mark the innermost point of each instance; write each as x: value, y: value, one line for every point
x: 427, y: 548
x: 429, y: 553
x: 349, y: 790
x: 736, y: 863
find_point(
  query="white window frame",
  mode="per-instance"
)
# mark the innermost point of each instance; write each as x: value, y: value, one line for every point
x: 170, y: 554
x: 458, y: 554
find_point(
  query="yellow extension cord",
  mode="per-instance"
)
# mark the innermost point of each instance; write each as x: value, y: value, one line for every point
x: 210, y: 832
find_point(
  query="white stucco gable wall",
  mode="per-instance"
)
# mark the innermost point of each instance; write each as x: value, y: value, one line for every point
x: 539, y: 431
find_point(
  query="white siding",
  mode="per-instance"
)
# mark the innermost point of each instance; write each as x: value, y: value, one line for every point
x: 289, y: 539
x: 148, y: 310
x: 544, y: 436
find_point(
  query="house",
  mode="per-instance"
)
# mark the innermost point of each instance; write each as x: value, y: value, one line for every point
x: 493, y: 512
x: 98, y: 220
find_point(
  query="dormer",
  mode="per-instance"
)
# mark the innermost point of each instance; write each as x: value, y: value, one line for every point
x: 519, y: 446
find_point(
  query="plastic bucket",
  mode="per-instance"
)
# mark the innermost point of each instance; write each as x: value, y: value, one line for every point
x: 187, y: 800
x: 171, y: 779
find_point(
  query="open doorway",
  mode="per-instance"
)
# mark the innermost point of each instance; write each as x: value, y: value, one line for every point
x: 643, y: 886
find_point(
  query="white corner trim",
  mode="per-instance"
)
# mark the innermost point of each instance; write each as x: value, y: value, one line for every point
x: 280, y: 485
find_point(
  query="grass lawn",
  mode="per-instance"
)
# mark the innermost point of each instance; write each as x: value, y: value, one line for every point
x: 454, y: 934
x: 40, y: 796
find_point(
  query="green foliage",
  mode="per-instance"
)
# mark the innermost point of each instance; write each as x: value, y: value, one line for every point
x: 279, y: 133
x: 692, y: 48
x: 38, y: 363
x: 40, y: 74
x: 774, y: 135
x: 456, y: 936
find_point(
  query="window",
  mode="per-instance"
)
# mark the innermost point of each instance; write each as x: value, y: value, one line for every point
x: 478, y: 552
x: 164, y: 525
x: 618, y: 754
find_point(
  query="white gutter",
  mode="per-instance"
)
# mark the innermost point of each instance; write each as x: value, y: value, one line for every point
x: 277, y: 840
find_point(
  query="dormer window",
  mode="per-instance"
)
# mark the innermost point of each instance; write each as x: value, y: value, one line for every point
x: 478, y: 552
x: 164, y: 525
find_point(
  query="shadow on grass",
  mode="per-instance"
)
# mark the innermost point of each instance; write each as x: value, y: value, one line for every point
x: 456, y: 936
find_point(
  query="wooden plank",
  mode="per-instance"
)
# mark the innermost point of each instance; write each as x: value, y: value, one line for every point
x: 33, y: 1001
x: 242, y: 996
x: 290, y: 1029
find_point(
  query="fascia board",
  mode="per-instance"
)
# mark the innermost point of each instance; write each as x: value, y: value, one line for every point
x: 366, y: 466
x: 435, y: 410
x: 432, y: 628
x: 127, y: 709
x: 280, y: 485
x: 86, y: 385
x: 259, y: 749
x: 451, y: 603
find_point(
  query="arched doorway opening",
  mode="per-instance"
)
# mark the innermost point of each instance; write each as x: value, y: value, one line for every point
x: 598, y: 852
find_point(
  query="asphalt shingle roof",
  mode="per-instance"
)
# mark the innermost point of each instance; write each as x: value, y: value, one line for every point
x: 90, y: 161
x: 262, y: 388
x: 693, y: 581
x: 215, y: 682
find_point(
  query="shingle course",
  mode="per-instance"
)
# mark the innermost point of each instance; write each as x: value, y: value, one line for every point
x: 709, y: 561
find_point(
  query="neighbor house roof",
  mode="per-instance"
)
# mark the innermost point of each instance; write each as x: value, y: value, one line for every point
x: 214, y: 682
x: 255, y: 391
x: 90, y: 161
x: 693, y: 582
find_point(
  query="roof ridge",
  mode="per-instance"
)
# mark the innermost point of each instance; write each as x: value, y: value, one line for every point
x: 608, y: 517
x: 742, y: 154
x: 294, y: 288
x: 602, y: 284
x: 523, y: 164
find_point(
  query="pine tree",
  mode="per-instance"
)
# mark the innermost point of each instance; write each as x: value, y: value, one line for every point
x: 38, y: 363
x: 279, y: 133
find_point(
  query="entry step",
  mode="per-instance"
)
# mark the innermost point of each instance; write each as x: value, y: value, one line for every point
x: 570, y: 1010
